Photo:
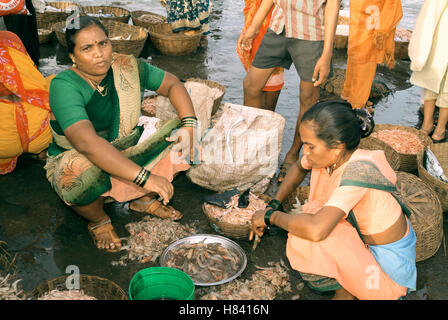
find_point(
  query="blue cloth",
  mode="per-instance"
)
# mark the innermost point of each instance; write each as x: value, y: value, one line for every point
x: 397, y: 260
x: 188, y: 15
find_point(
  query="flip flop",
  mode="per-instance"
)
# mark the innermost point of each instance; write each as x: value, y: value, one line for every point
x: 439, y: 140
x: 155, y: 208
x: 105, y: 227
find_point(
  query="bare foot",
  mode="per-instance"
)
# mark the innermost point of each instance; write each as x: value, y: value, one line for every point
x: 342, y: 294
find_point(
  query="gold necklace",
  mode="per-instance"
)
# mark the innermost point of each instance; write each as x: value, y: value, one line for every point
x: 99, y: 88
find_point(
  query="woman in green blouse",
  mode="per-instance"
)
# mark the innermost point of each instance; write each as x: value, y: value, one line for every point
x: 95, y: 108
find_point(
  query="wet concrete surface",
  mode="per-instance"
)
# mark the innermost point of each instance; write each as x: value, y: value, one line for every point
x: 48, y: 237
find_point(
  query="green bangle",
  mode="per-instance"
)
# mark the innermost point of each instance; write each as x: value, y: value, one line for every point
x: 275, y: 204
x: 267, y: 216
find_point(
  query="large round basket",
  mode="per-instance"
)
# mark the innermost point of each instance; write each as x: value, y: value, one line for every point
x: 146, y: 19
x: 59, y: 31
x: 392, y: 156
x: 440, y: 150
x: 402, y: 38
x: 99, y: 288
x: 408, y: 162
x: 45, y: 35
x: 212, y: 84
x: 50, y: 17
x: 133, y: 37
x: 105, y: 13
x: 234, y: 231
x: 427, y: 216
x: 174, y: 44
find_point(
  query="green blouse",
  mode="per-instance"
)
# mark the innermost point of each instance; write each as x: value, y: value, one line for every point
x: 72, y: 99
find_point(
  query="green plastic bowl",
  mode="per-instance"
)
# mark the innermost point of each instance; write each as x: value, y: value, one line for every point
x: 161, y: 283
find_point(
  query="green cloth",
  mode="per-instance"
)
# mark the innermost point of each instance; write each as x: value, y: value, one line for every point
x: 72, y: 99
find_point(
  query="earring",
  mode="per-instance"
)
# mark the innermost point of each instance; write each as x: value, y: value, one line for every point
x: 74, y: 64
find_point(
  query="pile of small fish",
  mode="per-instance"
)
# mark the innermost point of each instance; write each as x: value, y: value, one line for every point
x: 101, y: 14
x: 121, y: 37
x: 403, y: 35
x: 234, y: 215
x: 266, y: 283
x: 204, y: 262
x: 149, y: 18
x: 150, y: 236
x: 400, y: 140
x: 149, y: 106
x: 9, y: 291
x: 66, y: 295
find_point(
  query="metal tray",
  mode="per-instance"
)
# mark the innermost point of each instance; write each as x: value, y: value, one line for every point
x: 209, y: 238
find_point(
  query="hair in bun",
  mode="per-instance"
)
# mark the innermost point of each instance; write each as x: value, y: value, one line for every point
x: 335, y: 122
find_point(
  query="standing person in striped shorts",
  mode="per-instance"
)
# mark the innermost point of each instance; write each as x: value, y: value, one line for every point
x: 300, y: 32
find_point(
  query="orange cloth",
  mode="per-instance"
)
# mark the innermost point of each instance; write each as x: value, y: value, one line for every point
x: 123, y: 190
x: 276, y: 81
x: 342, y: 255
x: 370, y: 42
x: 24, y: 120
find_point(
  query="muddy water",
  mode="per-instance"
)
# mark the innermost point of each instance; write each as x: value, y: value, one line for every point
x: 49, y: 238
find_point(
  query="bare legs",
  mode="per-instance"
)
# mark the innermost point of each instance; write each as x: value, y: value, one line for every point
x: 95, y: 214
x: 428, y: 120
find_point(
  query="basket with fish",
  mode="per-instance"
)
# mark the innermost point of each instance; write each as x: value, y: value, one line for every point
x: 405, y: 140
x: 233, y: 219
x: 342, y: 30
x: 55, y: 12
x: 145, y: 18
x: 10, y: 286
x: 90, y: 288
x: 107, y: 13
x: 402, y: 38
x: 176, y: 44
x: 432, y: 165
x: 45, y: 35
x: 126, y: 38
x: 208, y: 259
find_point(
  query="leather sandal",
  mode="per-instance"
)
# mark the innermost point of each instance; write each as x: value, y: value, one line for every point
x: 102, y: 228
x: 155, y: 208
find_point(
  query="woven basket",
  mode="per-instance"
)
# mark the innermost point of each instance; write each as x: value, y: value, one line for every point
x: 45, y: 35
x: 100, y: 288
x: 401, y: 46
x: 174, y: 44
x: 120, y: 14
x: 302, y: 193
x: 235, y: 231
x: 341, y: 40
x: 427, y: 217
x: 132, y: 46
x: 59, y: 31
x: 212, y: 84
x: 392, y: 156
x: 156, y: 18
x: 440, y: 150
x: 49, y: 17
x: 8, y: 269
x: 408, y: 162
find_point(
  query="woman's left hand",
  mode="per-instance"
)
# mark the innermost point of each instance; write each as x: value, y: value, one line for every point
x: 185, y: 141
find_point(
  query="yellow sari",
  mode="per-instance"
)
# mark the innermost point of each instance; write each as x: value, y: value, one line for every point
x: 25, y: 111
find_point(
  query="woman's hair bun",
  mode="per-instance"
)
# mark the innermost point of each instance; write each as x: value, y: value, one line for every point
x: 365, y: 120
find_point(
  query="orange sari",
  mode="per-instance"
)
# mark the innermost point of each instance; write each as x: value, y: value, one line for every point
x: 370, y: 42
x: 25, y: 111
x: 276, y: 81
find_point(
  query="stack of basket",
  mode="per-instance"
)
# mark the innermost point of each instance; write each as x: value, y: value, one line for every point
x: 48, y: 18
x: 175, y: 44
x: 99, y: 288
x: 440, y: 150
x: 408, y: 162
x: 107, y: 13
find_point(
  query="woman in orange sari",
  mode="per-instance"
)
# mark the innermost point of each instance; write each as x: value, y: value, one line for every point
x: 275, y: 83
x: 370, y: 42
x: 23, y: 102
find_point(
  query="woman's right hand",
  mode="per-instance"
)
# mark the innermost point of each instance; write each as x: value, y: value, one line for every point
x: 161, y: 186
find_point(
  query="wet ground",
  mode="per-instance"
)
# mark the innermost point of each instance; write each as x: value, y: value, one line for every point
x: 48, y: 237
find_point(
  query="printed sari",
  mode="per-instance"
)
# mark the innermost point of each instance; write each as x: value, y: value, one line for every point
x: 277, y: 79
x: 25, y: 111
x: 370, y: 42
x: 188, y: 15
x: 78, y: 181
